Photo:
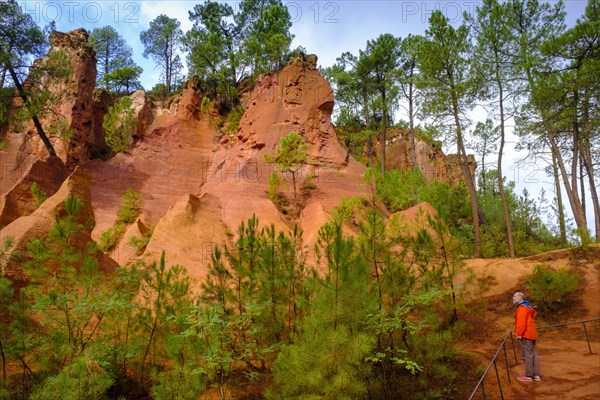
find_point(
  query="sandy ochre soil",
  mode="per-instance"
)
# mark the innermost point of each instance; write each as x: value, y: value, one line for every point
x: 569, y: 370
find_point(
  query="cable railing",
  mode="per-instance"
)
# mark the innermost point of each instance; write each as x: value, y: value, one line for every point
x: 494, y: 363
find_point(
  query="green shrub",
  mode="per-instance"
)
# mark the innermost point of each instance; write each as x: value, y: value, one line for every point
x: 451, y: 202
x: 552, y: 288
x: 309, y: 182
x: 110, y: 237
x: 39, y: 196
x: 131, y: 204
x: 399, y: 189
x: 275, y: 182
x: 347, y: 209
x: 158, y: 92
x: 83, y: 379
x: 120, y: 124
x: 140, y: 243
x: 178, y: 383
x: 233, y: 119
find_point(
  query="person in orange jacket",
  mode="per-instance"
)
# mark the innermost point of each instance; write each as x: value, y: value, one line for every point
x: 525, y: 331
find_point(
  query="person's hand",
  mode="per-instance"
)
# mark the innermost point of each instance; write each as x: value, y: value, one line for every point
x: 519, y: 337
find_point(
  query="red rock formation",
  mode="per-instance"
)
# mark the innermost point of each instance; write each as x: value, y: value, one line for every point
x: 75, y: 96
x: 409, y: 221
x: 101, y: 102
x: 39, y: 223
x: 178, y: 161
x: 125, y: 251
x: 18, y: 201
x: 189, y: 233
x: 74, y: 106
x: 142, y: 106
x: 294, y: 100
x: 167, y: 162
x: 433, y: 163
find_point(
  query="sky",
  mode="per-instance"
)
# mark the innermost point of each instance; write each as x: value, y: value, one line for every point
x: 325, y: 28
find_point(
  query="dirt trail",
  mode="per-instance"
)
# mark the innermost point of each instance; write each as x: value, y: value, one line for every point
x: 569, y: 371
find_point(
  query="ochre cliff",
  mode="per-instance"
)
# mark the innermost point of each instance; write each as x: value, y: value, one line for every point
x: 299, y: 100
x: 40, y: 222
x: 433, y: 163
x: 26, y: 159
x: 196, y: 182
x: 69, y: 112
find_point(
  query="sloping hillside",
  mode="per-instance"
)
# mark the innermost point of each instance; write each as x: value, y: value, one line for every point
x: 569, y: 371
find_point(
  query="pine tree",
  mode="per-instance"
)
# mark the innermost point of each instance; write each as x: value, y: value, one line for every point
x: 327, y: 360
x: 112, y: 52
x: 119, y: 125
x: 64, y: 279
x: 450, y: 89
x: 162, y: 42
x: 290, y: 158
x: 20, y: 39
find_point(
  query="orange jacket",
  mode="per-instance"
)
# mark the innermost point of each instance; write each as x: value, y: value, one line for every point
x: 525, y: 321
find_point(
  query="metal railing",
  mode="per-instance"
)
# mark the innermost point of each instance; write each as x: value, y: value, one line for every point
x: 481, y: 386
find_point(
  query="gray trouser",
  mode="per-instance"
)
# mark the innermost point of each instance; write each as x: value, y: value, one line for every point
x: 530, y: 358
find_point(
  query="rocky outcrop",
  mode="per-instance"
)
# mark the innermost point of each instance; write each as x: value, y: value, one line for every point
x: 299, y: 100
x: 142, y: 106
x: 49, y: 174
x: 39, y: 223
x: 454, y: 169
x: 75, y: 95
x: 433, y: 163
x: 71, y: 112
x: 125, y: 251
x: 189, y: 233
x: 101, y: 102
x: 169, y: 160
x: 217, y: 186
x: 408, y: 222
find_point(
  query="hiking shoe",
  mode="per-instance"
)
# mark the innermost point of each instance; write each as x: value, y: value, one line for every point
x: 537, y: 378
x: 524, y: 378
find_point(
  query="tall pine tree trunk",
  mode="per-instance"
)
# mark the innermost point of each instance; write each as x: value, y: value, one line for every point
x: 368, y: 124
x: 411, y: 124
x: 572, y: 194
x: 587, y: 161
x: 167, y: 56
x: 589, y: 165
x: 106, y: 67
x: 34, y: 118
x: 384, y: 138
x: 468, y: 178
x: 2, y: 78
x: 582, y: 185
x: 3, y: 364
x: 561, y: 211
x: 575, y: 146
x: 570, y: 188
x: 505, y: 210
